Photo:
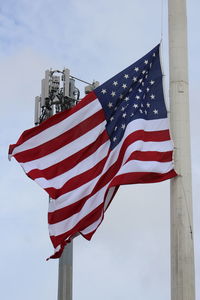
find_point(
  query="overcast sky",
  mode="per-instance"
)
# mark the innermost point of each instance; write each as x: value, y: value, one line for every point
x: 128, y: 257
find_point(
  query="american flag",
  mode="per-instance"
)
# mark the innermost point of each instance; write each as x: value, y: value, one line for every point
x: 118, y: 134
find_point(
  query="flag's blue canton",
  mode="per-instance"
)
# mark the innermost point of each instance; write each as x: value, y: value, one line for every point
x: 134, y: 93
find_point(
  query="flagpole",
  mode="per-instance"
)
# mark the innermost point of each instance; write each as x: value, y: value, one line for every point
x: 182, y: 248
x: 65, y: 267
x: 65, y: 273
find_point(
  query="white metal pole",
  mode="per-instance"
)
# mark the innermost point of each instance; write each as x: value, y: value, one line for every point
x: 65, y: 269
x: 182, y: 252
x: 65, y: 274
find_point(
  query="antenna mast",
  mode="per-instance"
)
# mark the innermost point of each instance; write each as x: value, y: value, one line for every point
x: 58, y: 93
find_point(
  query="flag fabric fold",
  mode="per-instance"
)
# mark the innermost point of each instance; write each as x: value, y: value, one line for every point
x: 117, y: 134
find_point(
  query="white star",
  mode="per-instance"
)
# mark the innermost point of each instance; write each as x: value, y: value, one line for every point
x: 136, y: 69
x: 113, y: 94
x: 146, y: 76
x: 126, y: 76
x: 124, y: 115
x: 155, y: 111
x: 152, y: 82
x: 112, y: 118
x: 130, y: 90
x: 110, y: 104
x: 124, y: 86
x: 140, y: 80
x: 148, y: 89
x: 135, y: 105
x: 143, y: 83
x: 139, y: 90
x: 152, y: 96
x: 137, y: 97
x: 134, y: 79
x: 115, y: 83
x: 132, y: 114
x: 154, y: 55
x: 141, y: 111
x: 150, y: 65
x: 143, y: 72
x: 145, y: 112
x: 123, y: 126
x: 103, y: 91
x: 126, y: 99
x: 142, y: 105
x: 121, y: 96
x: 114, y: 139
x: 148, y: 104
x: 123, y: 108
x: 146, y: 62
x: 115, y: 128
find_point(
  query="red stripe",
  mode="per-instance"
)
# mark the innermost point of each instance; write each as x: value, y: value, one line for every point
x: 89, y: 235
x: 151, y: 156
x: 27, y: 134
x: 81, y: 225
x: 93, y: 217
x: 61, y: 214
x: 66, y: 212
x: 61, y: 140
x: 141, y: 177
x: 90, y: 174
x: 69, y: 162
x: 58, y: 254
x: 110, y: 173
x: 152, y: 136
x: 78, y: 180
x: 96, y: 213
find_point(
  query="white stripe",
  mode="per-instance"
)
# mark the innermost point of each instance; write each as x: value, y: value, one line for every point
x: 59, y: 128
x: 87, y: 188
x: 77, y: 194
x: 131, y: 166
x: 86, y: 164
x: 89, y: 137
x: 57, y: 248
x: 65, y: 151
x: 93, y: 226
x: 148, y: 125
x: 145, y: 166
x: 69, y: 223
x: 146, y: 147
x: 84, y: 190
x: 73, y: 196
